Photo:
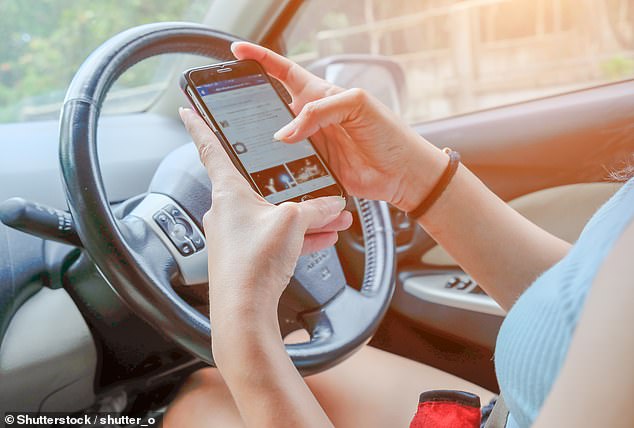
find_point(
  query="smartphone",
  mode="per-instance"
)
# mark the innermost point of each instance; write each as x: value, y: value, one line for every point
x: 242, y: 107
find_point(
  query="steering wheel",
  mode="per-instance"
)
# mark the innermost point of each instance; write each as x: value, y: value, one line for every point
x: 156, y: 240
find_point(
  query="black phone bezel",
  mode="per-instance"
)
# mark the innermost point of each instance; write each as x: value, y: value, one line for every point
x: 231, y: 70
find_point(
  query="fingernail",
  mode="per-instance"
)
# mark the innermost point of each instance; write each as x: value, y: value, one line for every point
x: 342, y: 201
x: 337, y: 202
x: 285, y: 131
x: 183, y: 111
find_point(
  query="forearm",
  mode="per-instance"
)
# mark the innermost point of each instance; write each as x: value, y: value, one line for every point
x: 502, y: 250
x: 265, y: 385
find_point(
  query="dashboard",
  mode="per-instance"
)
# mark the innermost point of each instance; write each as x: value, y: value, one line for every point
x: 48, y: 355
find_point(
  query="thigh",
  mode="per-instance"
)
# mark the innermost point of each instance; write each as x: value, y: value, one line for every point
x: 203, y: 401
x: 373, y: 388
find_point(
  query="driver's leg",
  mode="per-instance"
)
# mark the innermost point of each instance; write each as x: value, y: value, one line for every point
x: 203, y: 401
x: 372, y: 388
x: 375, y: 388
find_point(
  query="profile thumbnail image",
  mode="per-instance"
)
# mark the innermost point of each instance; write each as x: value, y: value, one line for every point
x: 306, y: 169
x: 273, y: 180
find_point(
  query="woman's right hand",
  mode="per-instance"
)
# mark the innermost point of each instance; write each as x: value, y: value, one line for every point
x: 372, y: 151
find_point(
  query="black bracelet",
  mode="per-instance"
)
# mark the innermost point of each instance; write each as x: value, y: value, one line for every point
x: 439, y: 187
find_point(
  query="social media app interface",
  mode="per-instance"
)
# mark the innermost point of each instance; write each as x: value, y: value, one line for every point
x: 249, y: 112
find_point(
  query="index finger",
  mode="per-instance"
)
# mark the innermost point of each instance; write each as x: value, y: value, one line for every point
x: 294, y: 77
x: 212, y: 155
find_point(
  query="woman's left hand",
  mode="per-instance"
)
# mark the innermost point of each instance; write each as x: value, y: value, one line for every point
x: 253, y: 245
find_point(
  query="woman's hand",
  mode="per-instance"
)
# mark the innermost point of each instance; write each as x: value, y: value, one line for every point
x: 253, y: 248
x: 372, y: 152
x: 253, y: 245
x: 377, y: 156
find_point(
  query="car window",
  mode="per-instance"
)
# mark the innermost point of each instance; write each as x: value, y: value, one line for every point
x: 44, y: 43
x: 462, y: 56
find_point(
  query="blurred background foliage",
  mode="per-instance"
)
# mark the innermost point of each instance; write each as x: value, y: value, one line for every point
x: 458, y: 55
x: 45, y: 41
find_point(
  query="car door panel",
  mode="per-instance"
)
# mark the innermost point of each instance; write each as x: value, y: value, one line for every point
x: 550, y: 158
x: 561, y: 210
x: 565, y: 139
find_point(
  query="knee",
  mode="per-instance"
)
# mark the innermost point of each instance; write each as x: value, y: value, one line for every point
x: 208, y: 379
x: 203, y: 398
x: 199, y: 389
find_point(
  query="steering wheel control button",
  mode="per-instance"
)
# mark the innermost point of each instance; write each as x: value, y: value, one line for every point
x: 164, y: 221
x: 179, y: 230
x: 186, y: 249
x: 188, y: 234
x: 175, y: 213
x: 197, y: 240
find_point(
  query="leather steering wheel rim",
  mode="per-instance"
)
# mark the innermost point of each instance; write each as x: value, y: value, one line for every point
x: 125, y: 265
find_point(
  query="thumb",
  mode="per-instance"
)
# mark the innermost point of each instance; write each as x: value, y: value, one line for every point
x: 317, y: 213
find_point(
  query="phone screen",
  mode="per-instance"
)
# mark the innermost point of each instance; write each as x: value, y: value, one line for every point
x: 248, y: 112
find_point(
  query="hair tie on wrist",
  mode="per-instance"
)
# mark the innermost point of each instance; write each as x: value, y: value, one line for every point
x: 439, y: 187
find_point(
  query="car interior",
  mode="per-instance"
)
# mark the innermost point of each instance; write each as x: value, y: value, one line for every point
x: 99, y: 308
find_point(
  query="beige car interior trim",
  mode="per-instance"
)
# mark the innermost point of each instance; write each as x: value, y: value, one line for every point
x: 433, y: 289
x: 562, y: 210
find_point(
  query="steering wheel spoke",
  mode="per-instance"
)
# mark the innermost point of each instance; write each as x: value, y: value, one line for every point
x: 338, y: 328
x: 175, y: 231
x: 318, y: 278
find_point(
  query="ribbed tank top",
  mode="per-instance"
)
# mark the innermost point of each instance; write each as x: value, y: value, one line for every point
x: 536, y: 334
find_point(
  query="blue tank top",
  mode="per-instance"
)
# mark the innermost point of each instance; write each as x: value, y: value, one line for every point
x: 536, y: 334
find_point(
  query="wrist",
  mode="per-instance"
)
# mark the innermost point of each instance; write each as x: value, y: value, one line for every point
x: 240, y: 299
x: 236, y: 354
x: 240, y: 335
x: 425, y: 164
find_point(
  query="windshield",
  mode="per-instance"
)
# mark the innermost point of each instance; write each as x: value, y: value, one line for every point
x: 464, y: 56
x: 45, y: 42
